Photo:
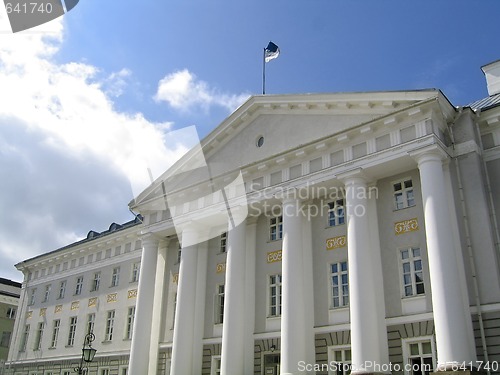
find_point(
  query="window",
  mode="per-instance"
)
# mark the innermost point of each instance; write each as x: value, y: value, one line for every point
x: 79, y: 285
x: 24, y: 338
x: 340, y: 359
x: 62, y: 289
x: 33, y: 296
x: 123, y: 370
x: 11, y: 312
x: 55, y: 333
x: 136, y: 267
x: 411, y: 266
x: 72, y: 330
x: 336, y: 215
x: 403, y: 194
x: 339, y: 284
x: 110, y: 322
x: 219, y: 305
x: 115, y: 277
x: 39, y: 336
x: 104, y: 371
x: 5, y: 339
x: 90, y: 323
x: 47, y: 292
x: 175, y: 308
x: 179, y: 251
x: 130, y: 323
x: 276, y: 228
x: 96, y: 281
x: 223, y: 242
x: 275, y: 295
x: 420, y: 355
x: 215, y: 366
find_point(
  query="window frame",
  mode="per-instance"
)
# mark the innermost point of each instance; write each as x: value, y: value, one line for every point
x: 96, y: 282
x: 279, y: 287
x: 79, y: 285
x: 110, y: 323
x: 115, y: 277
x: 404, y: 193
x: 46, y: 295
x: 223, y: 243
x: 135, y: 272
x: 24, y: 338
x: 73, y: 321
x: 412, y: 273
x: 276, y: 228
x: 405, y: 344
x: 129, y: 324
x: 219, y: 299
x: 336, y: 213
x: 339, y: 274
x: 215, y: 365
x: 62, y: 289
x: 56, y: 326
x: 331, y: 358
x: 39, y: 336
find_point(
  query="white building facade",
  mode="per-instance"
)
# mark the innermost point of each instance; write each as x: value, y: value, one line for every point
x: 308, y: 232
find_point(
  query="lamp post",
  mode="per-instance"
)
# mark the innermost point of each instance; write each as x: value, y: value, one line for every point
x: 88, y: 353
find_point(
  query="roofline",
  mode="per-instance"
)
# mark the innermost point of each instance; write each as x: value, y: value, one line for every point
x: 491, y: 63
x: 9, y: 282
x: 127, y: 225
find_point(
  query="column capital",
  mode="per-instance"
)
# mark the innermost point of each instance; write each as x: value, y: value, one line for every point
x: 150, y: 238
x: 355, y: 176
x: 429, y: 153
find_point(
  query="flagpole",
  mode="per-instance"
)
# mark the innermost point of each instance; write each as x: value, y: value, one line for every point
x: 264, y: 72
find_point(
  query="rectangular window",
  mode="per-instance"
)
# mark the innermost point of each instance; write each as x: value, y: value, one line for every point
x: 219, y: 305
x: 11, y: 313
x: 55, y: 333
x: 275, y: 295
x: 336, y: 215
x: 32, y: 296
x: 110, y: 322
x: 47, y: 292
x: 412, y: 277
x: 223, y: 242
x: 215, y: 366
x: 130, y: 323
x: 340, y: 359
x: 339, y: 284
x: 24, y: 338
x: 62, y: 289
x: 403, y: 194
x: 136, y: 267
x: 90, y: 322
x: 420, y: 356
x: 39, y: 336
x: 115, y: 277
x: 5, y: 339
x: 104, y: 371
x: 276, y: 228
x: 96, y: 281
x: 72, y: 330
x: 79, y: 285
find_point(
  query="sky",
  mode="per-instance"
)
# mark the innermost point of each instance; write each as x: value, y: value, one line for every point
x: 90, y: 100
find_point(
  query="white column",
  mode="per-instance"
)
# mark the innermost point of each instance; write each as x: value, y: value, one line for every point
x: 251, y: 244
x: 141, y: 338
x: 293, y: 322
x: 366, y: 316
x: 157, y: 307
x: 182, y: 350
x: 233, y: 329
x: 450, y: 317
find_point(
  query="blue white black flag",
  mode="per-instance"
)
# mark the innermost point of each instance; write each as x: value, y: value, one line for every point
x: 272, y: 51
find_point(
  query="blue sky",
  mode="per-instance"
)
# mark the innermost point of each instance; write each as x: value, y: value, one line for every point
x: 83, y: 96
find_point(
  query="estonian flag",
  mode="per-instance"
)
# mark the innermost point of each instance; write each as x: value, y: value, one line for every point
x: 272, y: 51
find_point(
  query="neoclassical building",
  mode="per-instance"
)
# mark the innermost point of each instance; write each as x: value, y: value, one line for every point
x: 307, y: 234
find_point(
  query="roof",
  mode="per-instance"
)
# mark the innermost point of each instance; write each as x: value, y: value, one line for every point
x: 486, y: 103
x: 92, y: 235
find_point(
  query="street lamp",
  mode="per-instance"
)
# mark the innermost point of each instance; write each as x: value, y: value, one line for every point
x: 88, y: 353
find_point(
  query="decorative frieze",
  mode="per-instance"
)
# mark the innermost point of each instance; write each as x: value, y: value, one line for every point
x: 92, y: 301
x: 29, y: 314
x: 274, y: 256
x: 43, y: 311
x: 406, y: 226
x: 58, y: 309
x: 113, y: 297
x: 336, y: 242
x: 220, y: 268
x: 132, y: 293
x: 175, y: 278
x: 75, y: 305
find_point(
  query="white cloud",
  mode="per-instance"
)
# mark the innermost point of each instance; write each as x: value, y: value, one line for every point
x: 68, y: 157
x: 182, y: 90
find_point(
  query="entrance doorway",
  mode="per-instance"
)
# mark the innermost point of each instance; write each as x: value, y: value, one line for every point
x: 271, y: 364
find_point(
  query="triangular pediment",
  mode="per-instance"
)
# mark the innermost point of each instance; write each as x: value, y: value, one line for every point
x: 266, y: 127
